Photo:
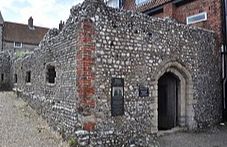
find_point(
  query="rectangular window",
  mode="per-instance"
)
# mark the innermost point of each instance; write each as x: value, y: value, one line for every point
x: 113, y: 3
x: 2, y: 77
x: 18, y: 44
x: 15, y: 78
x: 51, y: 74
x: 140, y: 2
x: 197, y: 18
x: 28, y: 77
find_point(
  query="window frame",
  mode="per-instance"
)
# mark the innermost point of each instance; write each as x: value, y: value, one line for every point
x: 16, y: 46
x: 118, y: 4
x: 141, y: 2
x: 196, y: 15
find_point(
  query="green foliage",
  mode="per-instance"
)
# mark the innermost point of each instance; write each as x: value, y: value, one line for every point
x: 21, y: 54
x: 73, y: 142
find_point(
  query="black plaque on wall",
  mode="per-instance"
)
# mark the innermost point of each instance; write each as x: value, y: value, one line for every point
x: 143, y: 91
x: 117, y: 97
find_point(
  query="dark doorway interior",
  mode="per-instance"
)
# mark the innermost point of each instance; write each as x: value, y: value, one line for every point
x: 167, y: 101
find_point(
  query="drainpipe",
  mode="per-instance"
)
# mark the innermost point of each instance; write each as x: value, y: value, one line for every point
x: 223, y: 54
x: 224, y: 63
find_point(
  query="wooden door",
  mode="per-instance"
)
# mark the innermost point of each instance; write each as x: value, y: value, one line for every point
x: 167, y: 101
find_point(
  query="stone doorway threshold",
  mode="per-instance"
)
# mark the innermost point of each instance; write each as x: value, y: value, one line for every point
x: 171, y: 131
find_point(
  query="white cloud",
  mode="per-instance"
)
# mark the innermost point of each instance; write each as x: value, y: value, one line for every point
x: 47, y: 13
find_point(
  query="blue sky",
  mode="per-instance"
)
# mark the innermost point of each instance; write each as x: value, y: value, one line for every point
x: 47, y: 13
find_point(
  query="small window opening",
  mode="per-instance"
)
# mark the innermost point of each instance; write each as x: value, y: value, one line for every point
x: 197, y: 18
x: 15, y: 78
x: 2, y: 77
x: 141, y: 2
x: 111, y: 43
x: 28, y: 77
x: 114, y: 25
x: 18, y: 44
x: 114, y: 3
x: 51, y: 74
x: 136, y: 31
x: 150, y: 34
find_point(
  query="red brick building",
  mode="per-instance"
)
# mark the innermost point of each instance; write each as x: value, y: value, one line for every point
x: 203, y: 13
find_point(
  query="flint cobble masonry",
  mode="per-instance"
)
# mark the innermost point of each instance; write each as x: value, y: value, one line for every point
x: 99, y: 43
x: 5, y: 64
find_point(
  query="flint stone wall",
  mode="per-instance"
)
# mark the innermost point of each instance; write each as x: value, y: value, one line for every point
x: 5, y: 64
x: 55, y: 102
x: 98, y: 43
x: 1, y: 32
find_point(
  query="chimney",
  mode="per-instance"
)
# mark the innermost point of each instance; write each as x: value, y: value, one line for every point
x: 30, y: 23
x: 61, y: 25
x: 1, y: 19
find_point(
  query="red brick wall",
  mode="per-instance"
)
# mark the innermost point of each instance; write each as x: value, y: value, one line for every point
x: 214, y: 14
x: 169, y: 10
x: 212, y: 7
x: 85, y: 75
x: 129, y: 5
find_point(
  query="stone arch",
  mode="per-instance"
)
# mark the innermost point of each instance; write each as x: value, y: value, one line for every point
x: 185, y: 93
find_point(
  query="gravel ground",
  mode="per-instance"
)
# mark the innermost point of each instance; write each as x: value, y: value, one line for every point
x: 20, y: 126
x: 212, y: 137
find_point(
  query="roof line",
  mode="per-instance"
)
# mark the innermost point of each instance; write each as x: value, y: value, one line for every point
x: 25, y: 24
x: 11, y: 41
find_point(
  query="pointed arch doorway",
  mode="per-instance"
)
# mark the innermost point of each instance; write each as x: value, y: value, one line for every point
x: 168, y: 88
x: 174, y: 97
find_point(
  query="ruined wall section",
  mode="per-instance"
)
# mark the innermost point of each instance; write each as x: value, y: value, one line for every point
x: 54, y: 101
x: 5, y: 64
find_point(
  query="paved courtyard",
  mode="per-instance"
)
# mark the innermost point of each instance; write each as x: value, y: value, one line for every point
x: 213, y: 137
x: 20, y: 126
